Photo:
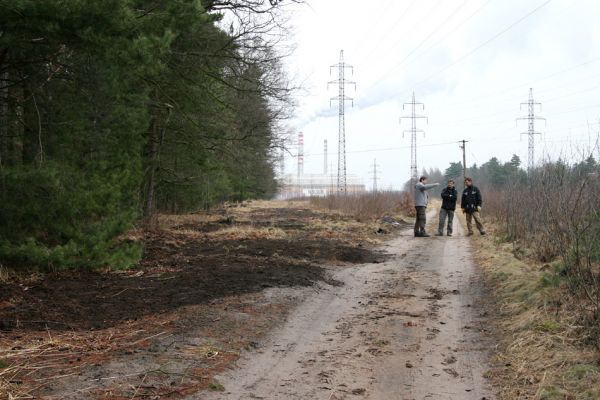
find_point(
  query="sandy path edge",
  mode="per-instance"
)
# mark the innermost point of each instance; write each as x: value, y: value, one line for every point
x: 409, y: 328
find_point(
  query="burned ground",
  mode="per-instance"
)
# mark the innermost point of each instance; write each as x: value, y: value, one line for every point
x: 191, y: 261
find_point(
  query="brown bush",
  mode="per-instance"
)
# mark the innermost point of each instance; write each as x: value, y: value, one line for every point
x: 368, y: 205
x: 555, y: 212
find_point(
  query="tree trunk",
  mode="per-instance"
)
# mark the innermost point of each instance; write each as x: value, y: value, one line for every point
x: 30, y: 127
x: 150, y: 217
x: 5, y: 143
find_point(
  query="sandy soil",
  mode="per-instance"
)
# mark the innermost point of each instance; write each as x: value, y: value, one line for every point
x: 209, y: 285
x: 408, y: 328
x: 300, y: 301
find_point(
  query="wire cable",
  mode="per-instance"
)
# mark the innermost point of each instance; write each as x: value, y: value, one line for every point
x: 479, y: 47
x: 435, y: 30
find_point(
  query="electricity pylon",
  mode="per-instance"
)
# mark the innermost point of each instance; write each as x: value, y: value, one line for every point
x: 374, y: 171
x: 341, y: 99
x: 413, y: 135
x: 531, y: 117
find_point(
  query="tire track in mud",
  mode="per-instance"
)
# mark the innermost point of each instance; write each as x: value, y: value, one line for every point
x: 405, y: 329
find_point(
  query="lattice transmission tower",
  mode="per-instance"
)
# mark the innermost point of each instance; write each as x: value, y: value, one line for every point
x: 341, y: 98
x: 531, y: 117
x: 375, y: 171
x: 413, y: 135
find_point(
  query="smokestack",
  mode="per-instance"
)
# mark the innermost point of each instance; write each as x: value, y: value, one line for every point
x: 300, y: 154
x: 325, y: 159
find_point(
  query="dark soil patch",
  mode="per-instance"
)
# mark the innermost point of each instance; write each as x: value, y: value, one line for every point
x: 177, y: 270
x: 191, y: 281
x: 197, y: 275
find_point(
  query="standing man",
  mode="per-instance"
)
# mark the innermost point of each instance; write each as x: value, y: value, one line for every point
x: 449, y: 196
x: 421, y: 200
x: 471, y: 206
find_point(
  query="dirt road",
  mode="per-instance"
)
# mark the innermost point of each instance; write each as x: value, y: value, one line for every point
x: 408, y: 328
x: 316, y: 309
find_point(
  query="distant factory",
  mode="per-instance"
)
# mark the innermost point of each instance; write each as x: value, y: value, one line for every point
x: 310, y: 185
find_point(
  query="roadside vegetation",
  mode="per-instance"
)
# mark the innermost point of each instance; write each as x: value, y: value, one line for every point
x: 543, y: 267
x: 210, y: 283
x: 112, y: 112
x: 369, y: 206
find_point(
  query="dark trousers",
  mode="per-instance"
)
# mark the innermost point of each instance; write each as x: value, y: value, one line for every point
x: 443, y: 214
x: 420, y: 219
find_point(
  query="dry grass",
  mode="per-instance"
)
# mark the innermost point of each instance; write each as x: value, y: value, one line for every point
x: 248, y: 232
x: 347, y: 230
x: 4, y: 274
x: 543, y: 352
x: 369, y: 205
x: 166, y: 221
x: 351, y: 218
x: 39, y: 357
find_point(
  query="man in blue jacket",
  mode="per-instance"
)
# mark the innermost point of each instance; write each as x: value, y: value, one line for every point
x: 471, y: 206
x: 449, y: 195
x: 421, y: 200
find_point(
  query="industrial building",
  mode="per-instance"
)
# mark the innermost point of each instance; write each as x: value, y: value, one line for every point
x: 309, y: 185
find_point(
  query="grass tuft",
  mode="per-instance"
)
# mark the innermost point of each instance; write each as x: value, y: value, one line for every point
x: 216, y: 386
x: 4, y: 274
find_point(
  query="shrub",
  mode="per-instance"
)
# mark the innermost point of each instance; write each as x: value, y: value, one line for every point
x: 368, y: 205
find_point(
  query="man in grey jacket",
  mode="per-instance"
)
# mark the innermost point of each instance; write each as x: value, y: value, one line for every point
x: 421, y: 200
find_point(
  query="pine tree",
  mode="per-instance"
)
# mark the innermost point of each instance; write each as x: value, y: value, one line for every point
x: 115, y: 109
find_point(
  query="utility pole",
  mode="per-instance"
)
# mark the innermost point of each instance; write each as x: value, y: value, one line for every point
x: 300, y: 154
x: 325, y: 158
x: 463, y: 146
x: 531, y: 117
x: 374, y: 172
x: 413, y: 136
x: 341, y: 99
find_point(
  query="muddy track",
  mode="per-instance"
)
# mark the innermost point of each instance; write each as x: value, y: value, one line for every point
x: 408, y: 328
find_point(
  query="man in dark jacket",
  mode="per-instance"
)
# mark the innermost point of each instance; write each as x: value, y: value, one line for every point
x: 449, y: 195
x: 471, y: 206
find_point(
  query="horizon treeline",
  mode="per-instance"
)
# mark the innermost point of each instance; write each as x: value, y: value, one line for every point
x: 112, y: 111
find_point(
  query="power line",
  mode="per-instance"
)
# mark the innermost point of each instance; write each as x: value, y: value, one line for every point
x: 482, y: 45
x: 435, y: 30
x: 374, y: 172
x: 460, y: 24
x: 531, y: 117
x: 480, y: 100
x: 376, y: 24
x: 577, y: 109
x: 419, y: 146
x: 387, y: 148
x: 488, y: 41
x: 463, y: 147
x: 341, y: 99
x: 386, y: 32
x: 413, y: 135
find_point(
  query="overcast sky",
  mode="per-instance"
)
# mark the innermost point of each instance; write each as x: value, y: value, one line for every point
x: 471, y: 62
